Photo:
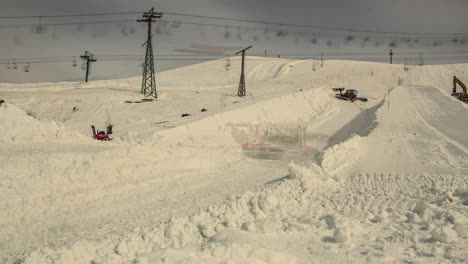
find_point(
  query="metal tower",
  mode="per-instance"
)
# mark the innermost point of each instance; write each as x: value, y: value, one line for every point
x: 241, y: 90
x: 148, y: 85
x: 89, y: 57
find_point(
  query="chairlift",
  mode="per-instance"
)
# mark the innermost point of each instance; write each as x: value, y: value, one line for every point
x: 83, y: 66
x: 282, y: 32
x: 74, y: 63
x: 15, y: 67
x: 26, y: 67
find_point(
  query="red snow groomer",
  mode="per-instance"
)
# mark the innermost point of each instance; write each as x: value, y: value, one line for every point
x: 101, y: 135
x: 349, y: 95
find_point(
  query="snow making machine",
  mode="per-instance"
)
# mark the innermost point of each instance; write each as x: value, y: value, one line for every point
x: 348, y: 95
x: 102, y: 135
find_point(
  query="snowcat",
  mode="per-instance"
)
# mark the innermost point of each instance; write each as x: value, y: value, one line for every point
x: 462, y: 96
x: 348, y: 95
x: 102, y: 135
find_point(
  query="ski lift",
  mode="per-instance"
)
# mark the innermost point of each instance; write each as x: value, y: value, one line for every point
x: 83, y: 66
x: 26, y: 68
x: 282, y: 32
x: 227, y: 67
x: 74, y: 63
x: 15, y: 67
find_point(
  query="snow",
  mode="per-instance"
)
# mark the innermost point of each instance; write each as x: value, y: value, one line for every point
x: 383, y: 181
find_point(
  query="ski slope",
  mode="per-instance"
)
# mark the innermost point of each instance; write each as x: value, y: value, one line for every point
x: 383, y: 181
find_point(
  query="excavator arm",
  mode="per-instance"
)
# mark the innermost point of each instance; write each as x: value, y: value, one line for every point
x: 463, y: 96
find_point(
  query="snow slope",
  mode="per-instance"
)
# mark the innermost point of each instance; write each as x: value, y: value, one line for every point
x: 387, y: 180
x: 429, y: 139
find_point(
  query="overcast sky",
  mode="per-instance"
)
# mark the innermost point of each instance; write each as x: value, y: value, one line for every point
x: 417, y: 16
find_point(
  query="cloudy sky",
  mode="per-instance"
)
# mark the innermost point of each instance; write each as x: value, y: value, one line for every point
x: 436, y: 29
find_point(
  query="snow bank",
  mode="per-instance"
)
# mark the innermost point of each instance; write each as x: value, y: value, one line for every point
x: 272, y: 209
x: 18, y: 127
x: 340, y: 159
x: 235, y: 253
x: 301, y: 107
x: 444, y: 225
x: 440, y: 76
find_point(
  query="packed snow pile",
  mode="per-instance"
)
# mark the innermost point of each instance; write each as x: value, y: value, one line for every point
x: 19, y: 127
x: 301, y: 107
x: 270, y: 210
x: 382, y: 181
x: 295, y: 219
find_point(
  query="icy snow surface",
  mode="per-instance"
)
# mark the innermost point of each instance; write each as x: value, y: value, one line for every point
x: 383, y: 181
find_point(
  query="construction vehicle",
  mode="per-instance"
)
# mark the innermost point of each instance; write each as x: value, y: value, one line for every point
x: 348, y: 95
x: 463, y: 95
x: 102, y: 135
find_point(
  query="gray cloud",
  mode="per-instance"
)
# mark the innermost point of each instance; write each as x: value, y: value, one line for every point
x: 126, y: 38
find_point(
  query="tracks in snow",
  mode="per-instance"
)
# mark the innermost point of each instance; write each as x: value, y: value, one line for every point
x: 364, y: 194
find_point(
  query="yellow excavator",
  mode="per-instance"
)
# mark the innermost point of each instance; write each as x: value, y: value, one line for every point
x: 463, y: 95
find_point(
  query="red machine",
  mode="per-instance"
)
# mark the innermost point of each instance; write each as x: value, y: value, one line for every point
x: 101, y: 135
x: 349, y: 95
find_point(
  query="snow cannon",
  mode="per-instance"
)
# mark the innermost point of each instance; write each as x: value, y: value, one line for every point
x: 102, y: 135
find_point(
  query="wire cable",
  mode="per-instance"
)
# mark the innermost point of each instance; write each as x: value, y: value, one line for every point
x: 70, y: 15
x: 236, y: 20
x: 383, y: 58
x: 213, y: 57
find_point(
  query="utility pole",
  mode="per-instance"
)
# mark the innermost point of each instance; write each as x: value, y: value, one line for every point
x: 391, y: 56
x: 241, y: 90
x: 148, y: 84
x: 89, y: 57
